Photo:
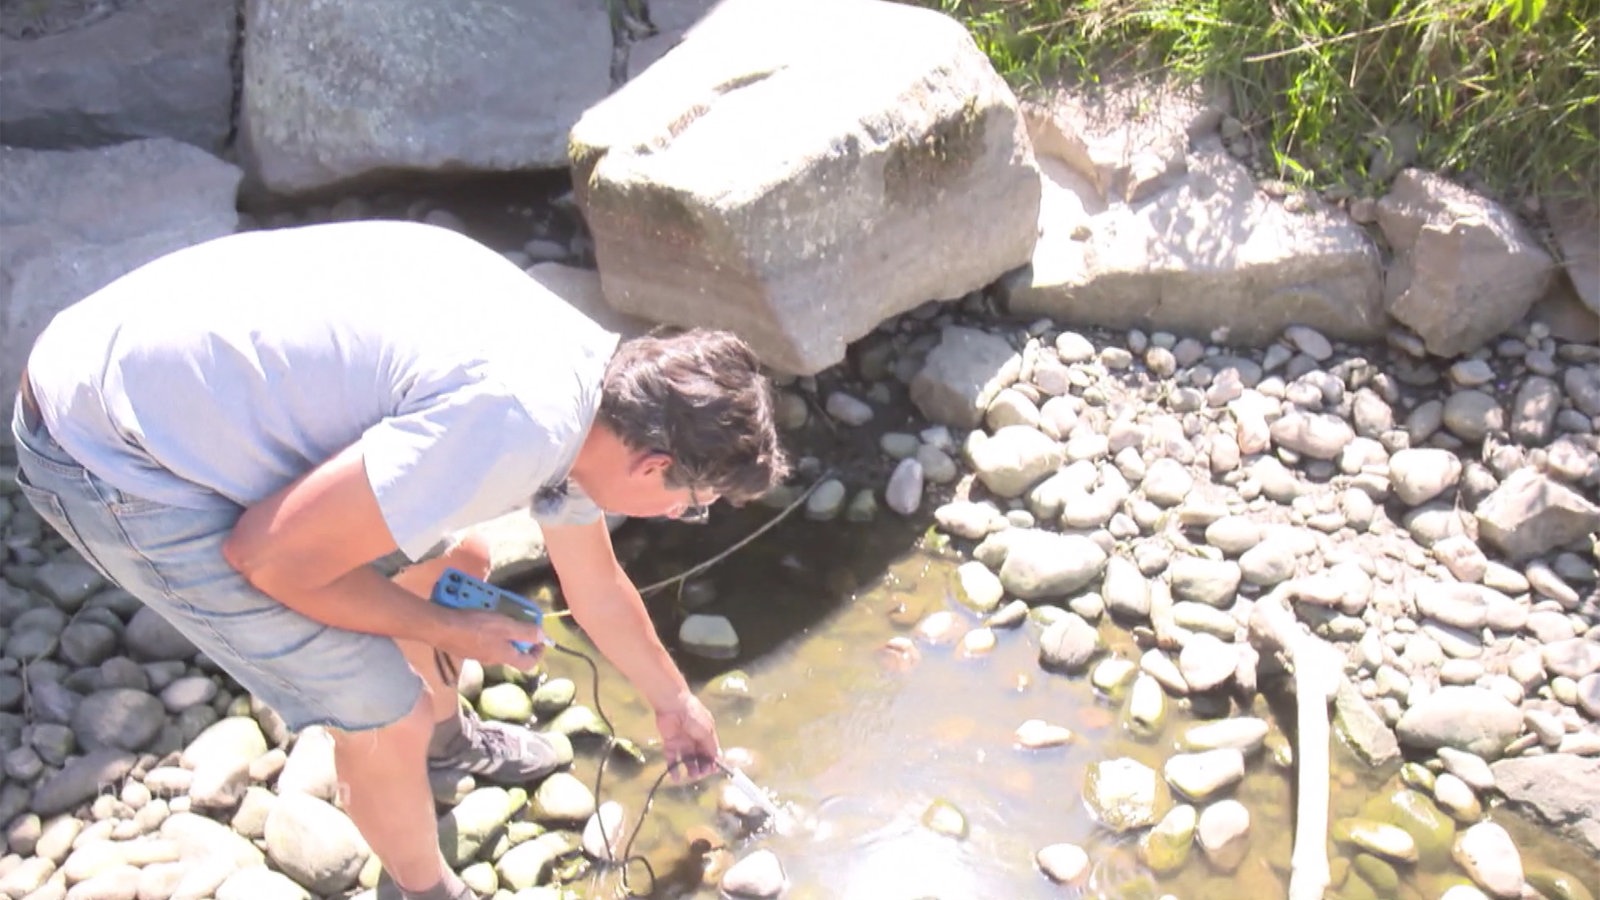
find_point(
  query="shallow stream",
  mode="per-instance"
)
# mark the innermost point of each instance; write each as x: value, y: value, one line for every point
x: 858, y: 749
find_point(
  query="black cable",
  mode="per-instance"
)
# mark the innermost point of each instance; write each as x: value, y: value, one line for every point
x: 628, y: 858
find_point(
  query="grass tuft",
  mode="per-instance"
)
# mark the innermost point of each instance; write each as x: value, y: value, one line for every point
x: 1343, y: 92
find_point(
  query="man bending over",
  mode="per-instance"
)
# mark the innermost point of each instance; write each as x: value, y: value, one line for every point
x: 251, y: 435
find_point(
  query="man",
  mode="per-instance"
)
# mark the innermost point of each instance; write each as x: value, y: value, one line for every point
x: 240, y: 434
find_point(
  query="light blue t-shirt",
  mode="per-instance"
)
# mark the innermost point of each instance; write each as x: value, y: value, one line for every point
x: 218, y: 374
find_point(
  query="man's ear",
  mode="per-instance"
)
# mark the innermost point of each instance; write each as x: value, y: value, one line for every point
x: 654, y: 462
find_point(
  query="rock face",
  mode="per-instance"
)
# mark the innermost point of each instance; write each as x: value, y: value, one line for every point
x: 1465, y: 268
x: 1561, y: 792
x: 336, y: 91
x: 799, y: 171
x: 77, y: 220
x: 1145, y: 226
x: 158, y: 68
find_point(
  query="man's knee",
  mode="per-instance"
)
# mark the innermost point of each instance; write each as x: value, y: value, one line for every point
x: 398, y: 737
x: 470, y: 555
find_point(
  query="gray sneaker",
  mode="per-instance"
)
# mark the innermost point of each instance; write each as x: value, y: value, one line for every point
x: 452, y: 888
x: 502, y: 753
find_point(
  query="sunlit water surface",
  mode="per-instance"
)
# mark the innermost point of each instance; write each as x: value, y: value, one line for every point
x: 855, y: 750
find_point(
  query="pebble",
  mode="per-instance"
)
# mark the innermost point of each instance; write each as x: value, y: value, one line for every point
x: 1223, y: 833
x: 1199, y: 776
x: 1487, y: 854
x: 1064, y: 863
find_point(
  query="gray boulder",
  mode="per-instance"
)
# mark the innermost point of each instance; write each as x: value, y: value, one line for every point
x: 800, y: 170
x: 962, y: 376
x: 157, y: 68
x: 334, y: 92
x: 77, y: 220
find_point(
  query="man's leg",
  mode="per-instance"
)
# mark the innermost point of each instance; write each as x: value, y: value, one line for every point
x: 492, y: 750
x: 356, y: 684
x: 383, y: 785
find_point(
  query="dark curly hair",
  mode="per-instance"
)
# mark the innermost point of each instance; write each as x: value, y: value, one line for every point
x: 699, y: 396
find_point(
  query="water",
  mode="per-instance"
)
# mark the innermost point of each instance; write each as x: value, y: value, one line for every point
x: 857, y: 748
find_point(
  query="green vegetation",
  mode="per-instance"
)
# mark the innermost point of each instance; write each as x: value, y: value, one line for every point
x: 1507, y: 91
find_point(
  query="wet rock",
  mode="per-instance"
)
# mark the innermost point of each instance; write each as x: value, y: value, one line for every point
x: 528, y: 863
x: 1036, y: 734
x: 1557, y: 885
x: 978, y: 588
x: 1487, y: 854
x: 1243, y: 733
x: 1198, y: 776
x: 464, y: 829
x: 759, y: 874
x: 505, y: 702
x: 1432, y: 831
x: 1457, y: 798
x: 709, y: 636
x: 1069, y: 644
x: 1124, y: 794
x: 1147, y: 706
x: 602, y: 834
x: 562, y: 799
x: 1388, y: 841
x: 942, y: 817
x: 1064, y: 863
x: 1165, y: 848
x: 1112, y: 674
x: 1223, y: 833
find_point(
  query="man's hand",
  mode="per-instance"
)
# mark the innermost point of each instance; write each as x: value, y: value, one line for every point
x: 689, y: 736
x: 487, y: 636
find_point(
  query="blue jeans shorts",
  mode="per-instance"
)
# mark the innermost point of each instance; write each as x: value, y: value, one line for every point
x: 171, y: 559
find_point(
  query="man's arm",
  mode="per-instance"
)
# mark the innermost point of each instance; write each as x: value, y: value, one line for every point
x: 308, y: 545
x: 606, y: 604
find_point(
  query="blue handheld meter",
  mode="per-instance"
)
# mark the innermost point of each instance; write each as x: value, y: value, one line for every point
x: 458, y: 590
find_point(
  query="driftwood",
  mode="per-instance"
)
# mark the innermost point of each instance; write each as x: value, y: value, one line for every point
x: 1318, y: 672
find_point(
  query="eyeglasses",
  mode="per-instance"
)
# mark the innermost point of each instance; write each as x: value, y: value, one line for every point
x: 696, y: 513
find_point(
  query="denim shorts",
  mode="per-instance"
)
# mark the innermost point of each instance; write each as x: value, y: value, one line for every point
x: 171, y: 559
